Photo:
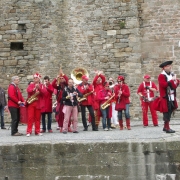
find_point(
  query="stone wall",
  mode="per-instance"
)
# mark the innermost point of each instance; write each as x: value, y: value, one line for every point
x: 130, y: 37
x: 90, y: 161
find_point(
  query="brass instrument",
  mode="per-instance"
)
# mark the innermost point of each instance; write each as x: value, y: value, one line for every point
x: 77, y: 74
x: 84, y: 97
x: 107, y: 103
x: 33, y: 98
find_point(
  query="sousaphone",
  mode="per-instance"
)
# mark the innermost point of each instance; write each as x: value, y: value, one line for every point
x: 77, y: 73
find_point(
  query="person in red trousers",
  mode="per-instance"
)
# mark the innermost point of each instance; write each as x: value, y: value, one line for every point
x: 35, y: 103
x: 98, y: 82
x: 122, y: 94
x: 59, y: 84
x: 146, y: 92
x: 167, y: 102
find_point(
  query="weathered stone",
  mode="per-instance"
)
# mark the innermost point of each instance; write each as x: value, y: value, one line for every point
x: 111, y: 32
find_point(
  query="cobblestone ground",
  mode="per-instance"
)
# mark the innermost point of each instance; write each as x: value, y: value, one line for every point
x: 137, y: 134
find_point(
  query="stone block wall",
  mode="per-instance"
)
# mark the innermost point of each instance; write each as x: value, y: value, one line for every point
x: 90, y: 161
x: 129, y: 37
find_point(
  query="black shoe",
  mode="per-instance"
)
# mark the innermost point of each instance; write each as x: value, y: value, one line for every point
x: 170, y: 131
x: 156, y: 125
x: 3, y: 128
x: 85, y: 129
x: 164, y: 129
x: 75, y: 132
x: 95, y: 129
x: 64, y: 132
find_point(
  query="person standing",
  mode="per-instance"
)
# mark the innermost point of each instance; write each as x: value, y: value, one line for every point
x: 122, y: 94
x: 98, y: 82
x: 47, y: 109
x: 167, y: 103
x: 70, y: 95
x: 3, y: 104
x: 15, y: 100
x: 35, y: 103
x: 86, y: 89
x: 105, y: 96
x: 146, y: 92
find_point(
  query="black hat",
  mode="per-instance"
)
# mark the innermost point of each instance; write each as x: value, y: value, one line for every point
x: 165, y: 64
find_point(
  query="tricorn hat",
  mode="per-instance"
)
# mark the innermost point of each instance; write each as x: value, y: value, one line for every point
x: 165, y: 64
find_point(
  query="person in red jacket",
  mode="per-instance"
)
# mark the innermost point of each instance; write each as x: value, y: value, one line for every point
x: 122, y: 94
x: 87, y: 89
x: 36, y: 90
x: 146, y: 92
x: 167, y: 103
x: 47, y: 109
x: 15, y: 100
x: 104, y: 95
x: 59, y: 84
x: 98, y: 82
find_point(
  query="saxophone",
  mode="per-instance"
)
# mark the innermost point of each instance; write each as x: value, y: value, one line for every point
x: 84, y: 97
x: 33, y: 98
x: 107, y: 103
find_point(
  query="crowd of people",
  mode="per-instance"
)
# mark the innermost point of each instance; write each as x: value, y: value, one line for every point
x: 104, y: 98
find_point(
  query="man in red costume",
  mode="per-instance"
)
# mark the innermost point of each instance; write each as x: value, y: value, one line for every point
x: 86, y: 88
x: 167, y: 103
x: 146, y: 92
x: 36, y: 90
x: 122, y: 94
x: 59, y: 84
x: 98, y: 82
x: 15, y: 100
x: 47, y: 109
x: 104, y: 95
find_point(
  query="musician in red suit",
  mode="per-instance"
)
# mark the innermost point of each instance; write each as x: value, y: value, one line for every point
x: 15, y: 100
x: 167, y: 103
x: 59, y: 84
x: 98, y: 82
x: 146, y: 92
x: 85, y: 88
x: 122, y: 94
x: 47, y: 109
x: 38, y: 90
x: 104, y: 95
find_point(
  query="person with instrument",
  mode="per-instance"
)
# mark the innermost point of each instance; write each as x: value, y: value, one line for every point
x: 167, y: 103
x: 70, y: 109
x: 98, y: 82
x: 114, y: 120
x: 59, y: 84
x: 47, y: 109
x: 35, y: 103
x: 122, y: 94
x: 15, y: 100
x: 146, y: 92
x: 86, y: 101
x: 105, y: 97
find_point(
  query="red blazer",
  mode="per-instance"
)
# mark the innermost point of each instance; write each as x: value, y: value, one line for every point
x: 14, y: 95
x: 48, y: 100
x: 83, y: 91
x: 161, y: 103
x: 97, y: 88
x: 60, y: 88
x: 40, y: 103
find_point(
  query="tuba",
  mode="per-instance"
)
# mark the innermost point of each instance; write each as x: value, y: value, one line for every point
x: 77, y: 73
x: 107, y: 103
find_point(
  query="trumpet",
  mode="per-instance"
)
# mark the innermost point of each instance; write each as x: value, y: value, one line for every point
x: 107, y: 103
x: 84, y: 97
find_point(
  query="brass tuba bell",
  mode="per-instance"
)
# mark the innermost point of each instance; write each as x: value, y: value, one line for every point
x: 77, y: 74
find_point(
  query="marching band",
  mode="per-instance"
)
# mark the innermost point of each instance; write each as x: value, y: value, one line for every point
x: 102, y: 99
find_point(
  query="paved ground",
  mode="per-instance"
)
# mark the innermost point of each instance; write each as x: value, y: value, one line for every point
x: 137, y: 134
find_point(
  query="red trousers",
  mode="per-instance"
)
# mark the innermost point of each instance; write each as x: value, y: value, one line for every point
x: 34, y: 116
x: 145, y: 106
